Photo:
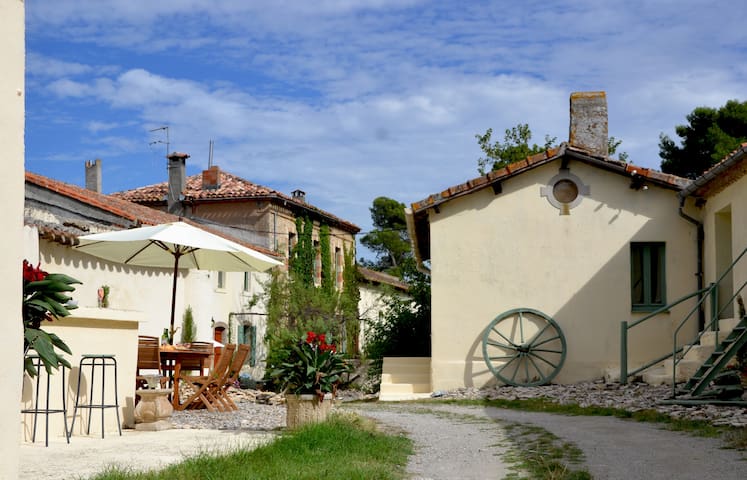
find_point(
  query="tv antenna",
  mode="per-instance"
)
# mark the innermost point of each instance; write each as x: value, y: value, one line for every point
x: 167, y: 142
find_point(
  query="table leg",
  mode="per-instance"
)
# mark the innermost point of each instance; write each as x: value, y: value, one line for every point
x: 177, y: 374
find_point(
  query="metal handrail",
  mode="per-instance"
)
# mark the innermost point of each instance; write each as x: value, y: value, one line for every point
x: 708, y: 292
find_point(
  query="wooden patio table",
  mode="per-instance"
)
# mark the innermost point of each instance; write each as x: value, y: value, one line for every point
x: 172, y: 357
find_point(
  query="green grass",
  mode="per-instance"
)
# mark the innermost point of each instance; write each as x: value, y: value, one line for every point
x: 346, y: 447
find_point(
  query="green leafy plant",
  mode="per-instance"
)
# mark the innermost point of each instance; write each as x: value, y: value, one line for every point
x: 44, y: 299
x: 311, y: 366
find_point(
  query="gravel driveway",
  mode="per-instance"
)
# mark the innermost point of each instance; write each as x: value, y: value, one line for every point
x: 448, y: 447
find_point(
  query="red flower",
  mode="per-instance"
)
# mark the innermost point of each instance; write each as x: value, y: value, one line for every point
x: 31, y: 274
x: 310, y: 337
x: 322, y: 339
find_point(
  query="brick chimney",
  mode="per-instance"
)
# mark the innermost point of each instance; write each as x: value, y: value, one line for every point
x: 299, y: 196
x: 93, y: 175
x: 211, y: 178
x: 588, y: 129
x: 177, y: 181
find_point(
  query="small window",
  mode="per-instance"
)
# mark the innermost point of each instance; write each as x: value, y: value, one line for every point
x: 221, y: 279
x: 247, y: 281
x: 647, y: 276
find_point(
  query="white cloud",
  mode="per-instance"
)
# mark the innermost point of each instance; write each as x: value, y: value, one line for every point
x: 352, y: 100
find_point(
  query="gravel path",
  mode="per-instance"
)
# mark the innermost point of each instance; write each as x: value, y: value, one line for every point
x: 614, y: 449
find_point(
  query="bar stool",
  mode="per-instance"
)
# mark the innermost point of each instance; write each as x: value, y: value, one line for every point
x: 40, y: 370
x: 94, y: 361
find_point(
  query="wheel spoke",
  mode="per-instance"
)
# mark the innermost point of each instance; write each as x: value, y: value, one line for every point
x: 546, y: 350
x: 541, y: 375
x: 504, y: 337
x: 516, y: 370
x: 546, y: 361
x: 521, y: 327
x: 556, y: 337
x: 538, y: 334
x: 526, y: 369
x: 494, y: 343
x: 502, y: 357
x: 514, y: 357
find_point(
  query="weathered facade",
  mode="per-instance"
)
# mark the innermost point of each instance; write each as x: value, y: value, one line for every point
x: 256, y: 213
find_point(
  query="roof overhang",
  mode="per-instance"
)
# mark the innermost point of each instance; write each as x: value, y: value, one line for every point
x: 418, y: 216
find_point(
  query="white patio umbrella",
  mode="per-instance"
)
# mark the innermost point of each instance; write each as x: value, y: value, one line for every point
x: 174, y: 245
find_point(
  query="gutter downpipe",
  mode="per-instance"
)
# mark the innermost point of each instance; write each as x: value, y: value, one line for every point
x: 701, y: 237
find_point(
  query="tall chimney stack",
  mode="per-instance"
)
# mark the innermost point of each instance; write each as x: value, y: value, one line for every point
x: 177, y: 181
x: 93, y: 175
x: 588, y: 130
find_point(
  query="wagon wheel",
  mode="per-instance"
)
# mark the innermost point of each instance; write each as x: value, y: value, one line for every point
x: 524, y: 347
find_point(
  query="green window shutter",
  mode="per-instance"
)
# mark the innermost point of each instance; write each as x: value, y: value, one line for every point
x: 647, y: 275
x: 240, y: 332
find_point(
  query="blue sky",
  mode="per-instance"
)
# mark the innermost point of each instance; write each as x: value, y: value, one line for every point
x: 350, y: 100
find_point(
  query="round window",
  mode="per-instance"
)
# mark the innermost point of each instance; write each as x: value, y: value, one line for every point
x: 565, y: 191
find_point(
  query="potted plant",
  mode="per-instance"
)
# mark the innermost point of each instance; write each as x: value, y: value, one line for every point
x: 309, y: 374
x: 44, y: 299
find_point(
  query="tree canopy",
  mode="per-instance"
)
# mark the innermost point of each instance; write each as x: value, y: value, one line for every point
x: 709, y: 136
x: 515, y: 147
x: 388, y: 239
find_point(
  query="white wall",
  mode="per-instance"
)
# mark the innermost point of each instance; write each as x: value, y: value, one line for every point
x: 12, y: 91
x: 492, y: 253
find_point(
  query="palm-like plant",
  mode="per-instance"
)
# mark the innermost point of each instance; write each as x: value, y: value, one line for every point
x: 311, y: 366
x: 44, y: 299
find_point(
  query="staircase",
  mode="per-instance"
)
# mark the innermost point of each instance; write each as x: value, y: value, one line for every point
x: 701, y: 369
x: 693, y: 359
x: 405, y: 378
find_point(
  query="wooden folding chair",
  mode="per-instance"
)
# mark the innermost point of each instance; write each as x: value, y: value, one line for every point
x: 232, y: 375
x: 205, y: 386
x: 148, y: 358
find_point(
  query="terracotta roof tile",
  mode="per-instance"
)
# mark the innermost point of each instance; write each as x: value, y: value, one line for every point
x: 532, y: 161
x: 230, y: 187
x: 125, y: 209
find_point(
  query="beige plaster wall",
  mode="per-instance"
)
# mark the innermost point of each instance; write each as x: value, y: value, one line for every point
x: 732, y: 199
x: 90, y: 331
x: 492, y: 253
x: 12, y: 91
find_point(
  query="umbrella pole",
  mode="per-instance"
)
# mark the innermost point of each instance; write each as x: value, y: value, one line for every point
x: 173, y: 297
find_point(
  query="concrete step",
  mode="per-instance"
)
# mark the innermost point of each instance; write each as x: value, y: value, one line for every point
x: 727, y: 324
x: 700, y: 353
x: 657, y: 376
x: 402, y: 388
x: 685, y: 368
x: 406, y: 377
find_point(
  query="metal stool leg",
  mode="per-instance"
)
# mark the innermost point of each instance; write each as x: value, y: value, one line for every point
x: 103, y: 362
x: 47, y: 411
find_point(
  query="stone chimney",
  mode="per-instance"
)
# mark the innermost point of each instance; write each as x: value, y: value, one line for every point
x: 211, y: 178
x: 299, y: 196
x: 93, y: 175
x: 177, y: 181
x: 588, y: 130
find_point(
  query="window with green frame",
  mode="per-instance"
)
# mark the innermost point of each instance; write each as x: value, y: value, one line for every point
x: 647, y: 275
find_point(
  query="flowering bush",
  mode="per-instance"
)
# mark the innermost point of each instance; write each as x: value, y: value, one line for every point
x: 44, y: 299
x: 311, y: 366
